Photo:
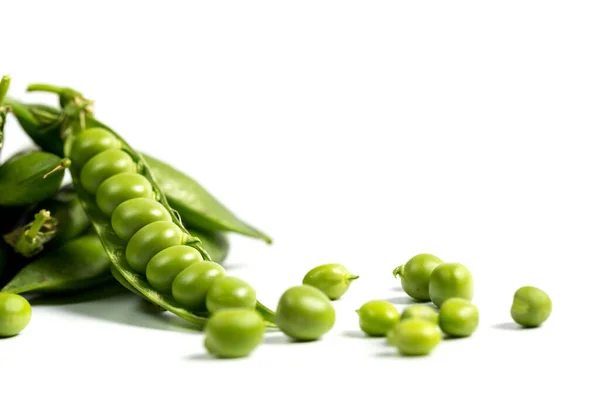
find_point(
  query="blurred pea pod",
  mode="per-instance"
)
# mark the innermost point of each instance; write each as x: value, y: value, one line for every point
x: 196, y: 206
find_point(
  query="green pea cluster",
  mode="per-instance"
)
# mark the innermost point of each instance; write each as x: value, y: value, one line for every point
x: 419, y: 329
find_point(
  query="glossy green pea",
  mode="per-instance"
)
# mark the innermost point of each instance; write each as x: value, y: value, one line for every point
x: 229, y: 292
x: 234, y: 333
x: 104, y: 165
x: 415, y: 275
x: 122, y: 187
x: 377, y: 317
x: 304, y: 313
x: 415, y: 337
x: 149, y: 241
x: 168, y: 263
x: 132, y: 215
x: 15, y: 314
x: 450, y: 280
x: 531, y: 307
x: 458, y: 317
x: 332, y: 279
x: 91, y: 142
x: 191, y: 285
x: 420, y: 311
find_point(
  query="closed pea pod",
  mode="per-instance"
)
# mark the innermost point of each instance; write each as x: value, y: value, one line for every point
x: 104, y: 165
x: 129, y: 258
x: 168, y: 263
x: 30, y: 178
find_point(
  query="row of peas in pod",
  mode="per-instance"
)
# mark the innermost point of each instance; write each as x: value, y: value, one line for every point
x: 156, y: 247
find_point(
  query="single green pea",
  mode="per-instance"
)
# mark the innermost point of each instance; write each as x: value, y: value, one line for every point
x: 377, y: 317
x: 415, y: 337
x: 120, y: 188
x: 531, y: 307
x: 234, y: 333
x: 230, y: 292
x: 168, y: 263
x: 15, y: 314
x: 332, y: 279
x: 104, y: 165
x: 90, y: 142
x: 458, y: 317
x: 132, y: 215
x: 191, y: 285
x: 420, y: 311
x: 450, y: 280
x: 150, y: 240
x: 415, y: 274
x: 304, y: 313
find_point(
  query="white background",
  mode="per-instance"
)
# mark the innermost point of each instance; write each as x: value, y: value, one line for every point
x: 352, y: 132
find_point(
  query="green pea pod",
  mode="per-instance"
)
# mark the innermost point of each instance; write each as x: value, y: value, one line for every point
x: 79, y: 264
x: 4, y: 84
x: 199, y: 208
x: 29, y: 240
x: 76, y: 108
x: 196, y: 205
x: 41, y: 123
x: 72, y: 221
x: 30, y: 178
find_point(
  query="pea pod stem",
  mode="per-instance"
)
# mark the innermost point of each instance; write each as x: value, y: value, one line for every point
x: 398, y: 271
x: 64, y: 163
x: 29, y: 240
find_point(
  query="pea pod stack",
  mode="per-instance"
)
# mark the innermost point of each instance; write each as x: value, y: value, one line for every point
x: 143, y: 236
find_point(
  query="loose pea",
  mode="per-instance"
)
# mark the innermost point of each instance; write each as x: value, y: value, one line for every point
x: 15, y: 314
x: 531, y: 307
x: 415, y: 274
x: 230, y: 292
x: 168, y: 263
x: 132, y: 215
x: 304, y: 313
x: 332, y: 279
x: 150, y: 240
x: 458, y: 317
x: 234, y: 333
x: 420, y: 311
x: 122, y: 187
x: 104, y: 165
x: 191, y: 285
x: 415, y: 337
x: 377, y: 317
x: 450, y: 280
x: 91, y: 142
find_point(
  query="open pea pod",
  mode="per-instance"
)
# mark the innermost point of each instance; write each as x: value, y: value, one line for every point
x: 198, y: 207
x: 76, y: 108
